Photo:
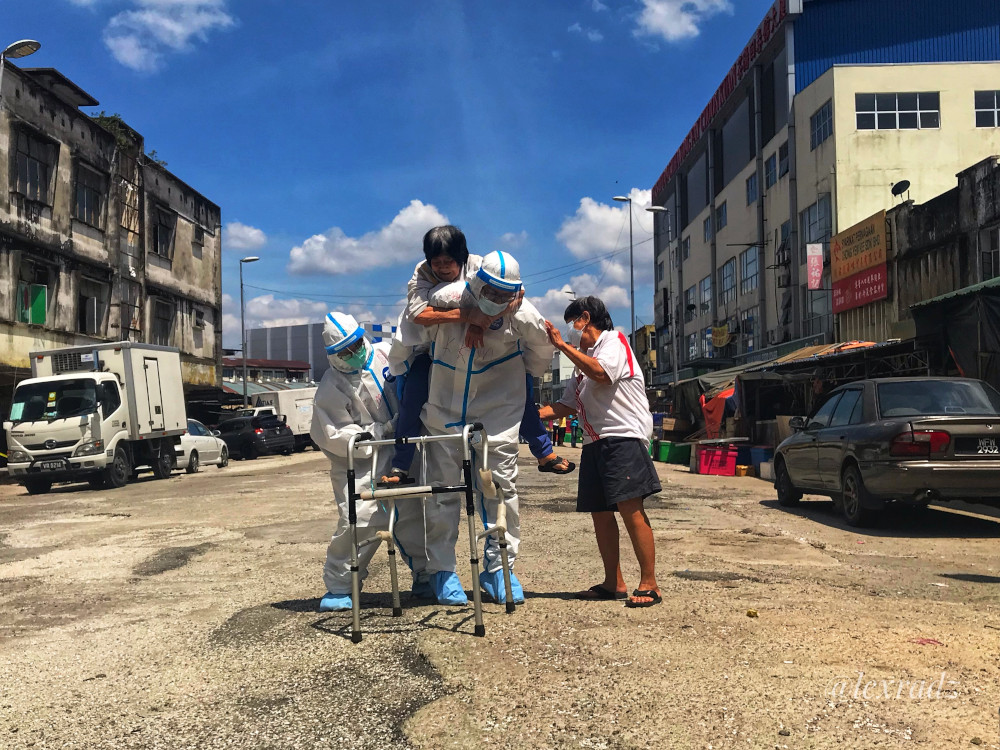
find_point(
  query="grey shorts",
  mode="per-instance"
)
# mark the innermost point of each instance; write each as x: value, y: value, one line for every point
x: 614, y: 469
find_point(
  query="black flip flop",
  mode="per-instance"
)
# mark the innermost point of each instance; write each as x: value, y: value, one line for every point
x: 598, y: 593
x: 646, y: 594
x: 551, y: 464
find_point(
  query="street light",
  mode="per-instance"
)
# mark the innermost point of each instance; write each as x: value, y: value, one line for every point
x: 243, y: 325
x: 631, y: 269
x: 670, y: 299
x: 21, y: 48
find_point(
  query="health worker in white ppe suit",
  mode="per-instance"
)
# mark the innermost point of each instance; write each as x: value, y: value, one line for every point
x: 485, y: 384
x: 353, y: 398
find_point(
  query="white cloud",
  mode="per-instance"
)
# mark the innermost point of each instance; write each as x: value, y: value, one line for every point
x: 139, y: 38
x: 398, y: 242
x: 514, y: 240
x: 237, y: 236
x: 592, y: 34
x: 674, y: 20
x: 597, y: 6
x: 553, y: 303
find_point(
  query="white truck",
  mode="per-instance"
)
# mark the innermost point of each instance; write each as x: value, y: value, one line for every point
x: 96, y: 413
x: 295, y: 404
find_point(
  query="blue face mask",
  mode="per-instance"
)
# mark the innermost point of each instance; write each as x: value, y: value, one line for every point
x: 489, y: 307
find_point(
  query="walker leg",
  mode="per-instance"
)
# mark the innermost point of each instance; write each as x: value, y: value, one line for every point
x: 505, y: 562
x: 470, y: 512
x: 397, y: 610
x: 355, y: 586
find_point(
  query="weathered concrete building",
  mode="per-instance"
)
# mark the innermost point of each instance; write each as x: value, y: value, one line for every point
x: 97, y: 241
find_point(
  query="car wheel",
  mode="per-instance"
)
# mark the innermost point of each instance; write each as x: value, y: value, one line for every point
x: 37, y: 486
x: 788, y: 495
x: 224, y: 458
x: 249, y: 452
x: 192, y: 467
x: 163, y: 464
x: 119, y: 472
x: 286, y: 451
x: 853, y: 498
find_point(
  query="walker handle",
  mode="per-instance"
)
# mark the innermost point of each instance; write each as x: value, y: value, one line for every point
x: 364, y: 436
x: 477, y: 426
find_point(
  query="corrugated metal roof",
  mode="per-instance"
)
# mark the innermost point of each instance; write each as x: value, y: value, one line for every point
x: 253, y: 388
x: 866, y: 32
x: 990, y: 284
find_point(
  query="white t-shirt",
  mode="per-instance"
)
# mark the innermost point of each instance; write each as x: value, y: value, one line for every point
x: 619, y: 408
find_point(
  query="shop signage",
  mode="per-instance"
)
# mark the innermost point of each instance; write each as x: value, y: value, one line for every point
x: 860, y: 289
x: 770, y: 26
x: 814, y: 266
x: 859, y: 248
x: 720, y: 336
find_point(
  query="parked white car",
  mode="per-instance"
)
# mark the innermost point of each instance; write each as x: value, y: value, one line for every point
x: 201, y: 445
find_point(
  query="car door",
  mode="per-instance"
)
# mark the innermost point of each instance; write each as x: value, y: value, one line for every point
x: 832, y: 441
x: 801, y: 457
x: 208, y: 447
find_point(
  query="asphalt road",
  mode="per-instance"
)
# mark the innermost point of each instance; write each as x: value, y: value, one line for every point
x: 183, y: 613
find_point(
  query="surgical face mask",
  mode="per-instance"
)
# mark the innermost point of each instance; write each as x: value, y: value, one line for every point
x: 356, y: 355
x: 574, y: 335
x: 489, y: 307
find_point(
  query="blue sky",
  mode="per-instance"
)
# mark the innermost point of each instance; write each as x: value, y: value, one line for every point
x: 333, y: 134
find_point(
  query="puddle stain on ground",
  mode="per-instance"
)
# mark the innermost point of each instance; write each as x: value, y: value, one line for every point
x: 170, y: 559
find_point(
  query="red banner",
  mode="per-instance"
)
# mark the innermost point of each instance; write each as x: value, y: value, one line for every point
x: 814, y: 266
x: 860, y: 289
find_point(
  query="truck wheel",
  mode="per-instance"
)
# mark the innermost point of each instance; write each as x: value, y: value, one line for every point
x: 97, y: 483
x: 37, y: 486
x: 224, y: 458
x: 299, y: 447
x: 119, y: 472
x: 853, y: 497
x: 163, y: 464
x: 192, y: 467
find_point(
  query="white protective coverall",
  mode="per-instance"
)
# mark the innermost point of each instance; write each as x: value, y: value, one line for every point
x: 485, y: 385
x: 349, y: 403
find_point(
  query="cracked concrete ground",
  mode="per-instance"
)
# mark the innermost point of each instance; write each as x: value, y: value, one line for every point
x: 182, y: 613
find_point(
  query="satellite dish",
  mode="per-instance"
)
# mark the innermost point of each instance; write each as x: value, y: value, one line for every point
x: 900, y: 187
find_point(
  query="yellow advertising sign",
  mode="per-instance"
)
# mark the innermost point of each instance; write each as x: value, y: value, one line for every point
x: 859, y: 248
x: 720, y: 336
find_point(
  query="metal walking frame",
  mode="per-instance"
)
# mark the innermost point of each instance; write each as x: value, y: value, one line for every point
x: 487, y: 486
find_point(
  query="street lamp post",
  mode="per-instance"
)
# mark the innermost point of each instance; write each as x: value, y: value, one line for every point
x: 243, y: 326
x: 21, y: 48
x: 631, y: 268
x: 670, y: 298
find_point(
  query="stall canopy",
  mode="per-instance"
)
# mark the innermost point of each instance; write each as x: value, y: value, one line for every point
x: 965, y: 326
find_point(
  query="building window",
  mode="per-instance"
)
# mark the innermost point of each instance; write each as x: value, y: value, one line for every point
x: 92, y: 301
x: 163, y: 231
x: 821, y: 125
x: 659, y: 272
x: 783, y: 159
x: 989, y: 243
x: 752, y: 189
x: 693, y: 346
x: 815, y: 225
x: 706, y: 295
x: 89, y: 192
x: 707, y: 342
x: 771, y: 171
x: 987, y: 109
x: 690, y: 308
x: 727, y: 282
x: 163, y: 323
x: 198, y: 242
x: 686, y: 248
x: 34, y: 160
x: 720, y: 217
x: 748, y: 270
x: 748, y: 330
x: 910, y: 111
x: 707, y: 227
x: 33, y: 282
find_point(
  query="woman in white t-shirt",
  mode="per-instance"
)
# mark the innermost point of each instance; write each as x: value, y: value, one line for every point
x: 608, y: 394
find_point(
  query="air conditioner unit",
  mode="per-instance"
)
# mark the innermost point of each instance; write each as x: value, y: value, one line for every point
x: 775, y: 336
x: 784, y: 280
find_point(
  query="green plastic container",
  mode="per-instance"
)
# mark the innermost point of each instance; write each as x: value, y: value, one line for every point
x: 674, y: 454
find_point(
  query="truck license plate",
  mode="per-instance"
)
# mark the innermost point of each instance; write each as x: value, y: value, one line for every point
x: 51, y: 465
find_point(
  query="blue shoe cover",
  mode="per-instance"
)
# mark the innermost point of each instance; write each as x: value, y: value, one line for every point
x: 335, y: 602
x: 492, y: 584
x: 448, y: 588
x: 422, y: 590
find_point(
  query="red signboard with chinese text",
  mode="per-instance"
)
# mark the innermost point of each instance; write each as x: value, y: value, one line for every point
x: 860, y: 289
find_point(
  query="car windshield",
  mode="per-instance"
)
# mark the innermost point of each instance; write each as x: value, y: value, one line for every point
x: 53, y: 399
x: 925, y: 398
x: 268, y: 422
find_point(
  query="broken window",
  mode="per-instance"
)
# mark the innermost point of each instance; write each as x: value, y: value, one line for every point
x: 89, y: 192
x: 34, y: 161
x: 164, y: 223
x: 33, y: 282
x: 91, y: 305
x: 163, y: 322
x: 131, y: 322
x: 198, y: 242
x: 989, y: 248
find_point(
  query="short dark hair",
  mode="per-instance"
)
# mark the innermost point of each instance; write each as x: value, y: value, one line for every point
x: 446, y: 240
x: 600, y: 318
